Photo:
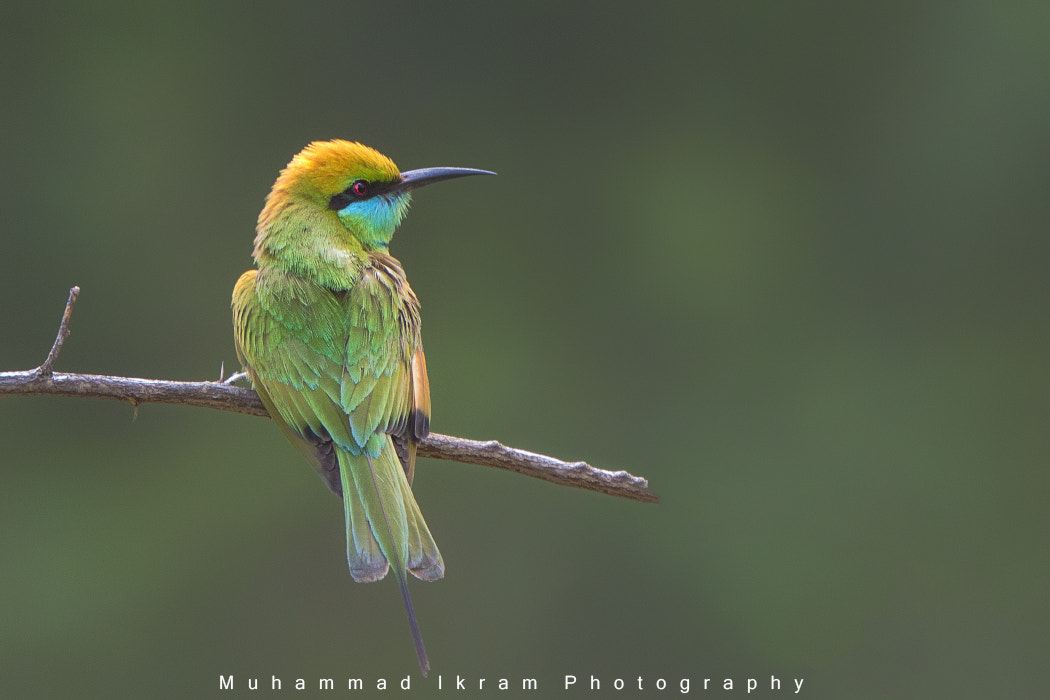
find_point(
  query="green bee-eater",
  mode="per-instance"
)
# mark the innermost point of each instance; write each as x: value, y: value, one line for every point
x: 328, y: 331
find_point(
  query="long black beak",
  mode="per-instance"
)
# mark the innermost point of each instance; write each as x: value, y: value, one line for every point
x: 412, y: 179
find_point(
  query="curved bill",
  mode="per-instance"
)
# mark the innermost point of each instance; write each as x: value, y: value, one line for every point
x: 411, y: 179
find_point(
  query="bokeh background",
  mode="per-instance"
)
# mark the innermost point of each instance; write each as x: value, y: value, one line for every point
x: 786, y: 260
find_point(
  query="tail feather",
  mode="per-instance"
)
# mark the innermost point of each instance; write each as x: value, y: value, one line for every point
x: 386, y: 529
x: 367, y: 563
x: 424, y: 558
x: 417, y: 638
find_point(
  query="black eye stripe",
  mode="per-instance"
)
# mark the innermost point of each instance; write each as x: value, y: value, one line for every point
x: 341, y: 201
x: 348, y: 196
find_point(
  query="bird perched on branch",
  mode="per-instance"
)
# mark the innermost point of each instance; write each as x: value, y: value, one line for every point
x: 328, y: 331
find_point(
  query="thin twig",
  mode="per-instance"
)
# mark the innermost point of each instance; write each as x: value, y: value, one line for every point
x: 225, y: 396
x: 235, y: 377
x: 63, y: 332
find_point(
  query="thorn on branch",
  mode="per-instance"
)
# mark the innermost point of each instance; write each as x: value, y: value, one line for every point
x: 47, y: 369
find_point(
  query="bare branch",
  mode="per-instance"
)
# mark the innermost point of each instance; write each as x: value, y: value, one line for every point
x: 225, y: 396
x: 578, y: 474
x: 222, y: 397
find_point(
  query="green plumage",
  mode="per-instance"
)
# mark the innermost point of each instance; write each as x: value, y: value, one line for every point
x: 328, y: 329
x: 333, y: 366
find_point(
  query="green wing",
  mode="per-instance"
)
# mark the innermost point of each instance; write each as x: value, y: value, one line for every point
x: 339, y: 372
x: 344, y: 367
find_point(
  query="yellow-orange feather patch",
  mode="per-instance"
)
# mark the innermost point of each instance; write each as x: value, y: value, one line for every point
x: 329, y: 167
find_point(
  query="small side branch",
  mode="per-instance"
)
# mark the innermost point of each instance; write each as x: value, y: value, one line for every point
x: 225, y: 396
x: 63, y: 332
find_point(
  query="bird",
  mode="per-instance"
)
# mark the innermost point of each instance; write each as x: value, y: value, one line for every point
x: 328, y: 330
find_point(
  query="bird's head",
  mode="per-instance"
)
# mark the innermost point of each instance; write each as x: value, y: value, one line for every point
x: 352, y: 184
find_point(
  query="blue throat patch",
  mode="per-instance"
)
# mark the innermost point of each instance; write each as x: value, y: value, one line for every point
x: 373, y: 220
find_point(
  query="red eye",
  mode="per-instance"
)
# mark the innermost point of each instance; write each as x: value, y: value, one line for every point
x: 359, y: 188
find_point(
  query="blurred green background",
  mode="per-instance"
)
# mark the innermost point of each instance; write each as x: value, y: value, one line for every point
x: 786, y: 260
